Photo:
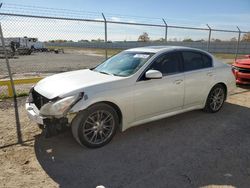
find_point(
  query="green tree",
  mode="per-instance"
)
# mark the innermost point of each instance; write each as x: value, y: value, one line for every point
x: 246, y: 37
x: 187, y: 40
x: 216, y: 40
x: 144, y: 37
x: 233, y: 39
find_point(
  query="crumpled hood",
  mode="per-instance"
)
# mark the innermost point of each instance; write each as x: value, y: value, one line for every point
x: 63, y: 83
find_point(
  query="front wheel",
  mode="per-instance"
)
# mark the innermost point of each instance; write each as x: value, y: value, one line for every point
x: 95, y: 126
x: 215, y: 99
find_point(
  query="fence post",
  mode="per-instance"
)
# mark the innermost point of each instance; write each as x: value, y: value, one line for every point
x: 166, y: 30
x: 209, y: 38
x: 238, y: 43
x: 106, y: 36
x: 18, y: 126
x: 7, y: 62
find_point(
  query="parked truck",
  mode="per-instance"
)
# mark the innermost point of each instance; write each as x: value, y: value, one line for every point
x: 23, y: 45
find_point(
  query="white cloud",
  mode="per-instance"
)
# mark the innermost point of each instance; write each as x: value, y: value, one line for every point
x: 131, y: 21
x: 115, y: 19
x: 98, y: 19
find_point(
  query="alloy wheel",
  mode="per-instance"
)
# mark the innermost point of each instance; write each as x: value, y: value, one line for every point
x: 98, y: 127
x: 217, y: 98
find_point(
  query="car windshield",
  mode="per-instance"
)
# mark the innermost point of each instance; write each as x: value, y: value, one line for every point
x: 124, y: 63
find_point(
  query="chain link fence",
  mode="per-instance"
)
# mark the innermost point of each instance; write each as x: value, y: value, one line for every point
x: 43, y: 41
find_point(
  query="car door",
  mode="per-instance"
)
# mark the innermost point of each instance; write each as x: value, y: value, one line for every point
x: 158, y: 96
x: 198, y: 73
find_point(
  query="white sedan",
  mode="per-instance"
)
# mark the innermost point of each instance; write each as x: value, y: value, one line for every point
x: 133, y: 87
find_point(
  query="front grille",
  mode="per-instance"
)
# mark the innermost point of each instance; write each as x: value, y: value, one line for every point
x: 245, y: 80
x: 38, y: 99
x: 243, y: 70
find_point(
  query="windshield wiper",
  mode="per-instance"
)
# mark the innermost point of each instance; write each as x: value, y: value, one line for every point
x: 118, y: 75
x: 105, y: 73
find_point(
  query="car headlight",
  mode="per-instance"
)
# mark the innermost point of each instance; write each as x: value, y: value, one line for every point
x: 60, y: 107
x: 235, y: 68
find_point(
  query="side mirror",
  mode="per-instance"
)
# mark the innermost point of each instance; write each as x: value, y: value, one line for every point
x: 153, y: 74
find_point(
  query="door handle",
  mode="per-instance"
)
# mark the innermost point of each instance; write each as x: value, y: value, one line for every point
x: 178, y: 81
x: 210, y: 74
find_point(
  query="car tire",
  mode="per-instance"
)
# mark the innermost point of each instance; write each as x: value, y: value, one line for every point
x: 215, y: 99
x: 95, y: 126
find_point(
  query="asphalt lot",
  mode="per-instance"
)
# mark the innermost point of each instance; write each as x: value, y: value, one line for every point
x: 50, y: 63
x: 193, y: 149
x: 45, y: 64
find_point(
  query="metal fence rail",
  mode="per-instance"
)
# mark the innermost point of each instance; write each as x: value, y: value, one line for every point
x: 164, y: 26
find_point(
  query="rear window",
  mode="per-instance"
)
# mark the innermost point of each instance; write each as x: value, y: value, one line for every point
x: 195, y: 61
x: 207, y: 61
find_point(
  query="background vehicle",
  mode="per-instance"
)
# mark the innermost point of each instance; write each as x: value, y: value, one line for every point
x: 131, y: 88
x: 23, y: 45
x: 241, y: 70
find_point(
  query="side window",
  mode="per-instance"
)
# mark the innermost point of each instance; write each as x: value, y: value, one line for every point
x: 167, y: 64
x: 207, y: 61
x: 195, y: 61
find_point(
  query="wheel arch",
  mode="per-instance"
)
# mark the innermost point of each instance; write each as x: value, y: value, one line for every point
x: 218, y: 83
x: 206, y: 105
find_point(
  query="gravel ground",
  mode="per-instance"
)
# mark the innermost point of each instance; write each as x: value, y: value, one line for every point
x: 193, y: 149
x: 47, y: 63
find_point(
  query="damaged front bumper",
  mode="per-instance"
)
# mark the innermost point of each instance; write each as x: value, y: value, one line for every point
x: 51, y: 126
x: 33, y: 113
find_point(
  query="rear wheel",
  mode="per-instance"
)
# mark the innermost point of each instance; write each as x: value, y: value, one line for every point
x: 95, y: 126
x: 215, y: 99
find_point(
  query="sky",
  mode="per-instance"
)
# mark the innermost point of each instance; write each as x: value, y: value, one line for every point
x: 220, y: 14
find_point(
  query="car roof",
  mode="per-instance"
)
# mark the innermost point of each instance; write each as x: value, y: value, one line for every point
x: 156, y: 49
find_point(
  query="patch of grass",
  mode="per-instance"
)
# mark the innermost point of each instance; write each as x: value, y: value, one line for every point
x: 21, y: 94
x: 4, y: 96
x: 224, y: 56
x: 98, y: 51
x: 101, y: 51
x: 112, y: 52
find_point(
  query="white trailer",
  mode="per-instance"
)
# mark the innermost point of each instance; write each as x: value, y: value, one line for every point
x: 25, y: 42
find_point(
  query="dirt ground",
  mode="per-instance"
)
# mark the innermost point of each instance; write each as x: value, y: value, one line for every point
x: 193, y: 149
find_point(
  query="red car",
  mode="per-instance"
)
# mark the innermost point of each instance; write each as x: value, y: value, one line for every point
x: 241, y: 70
